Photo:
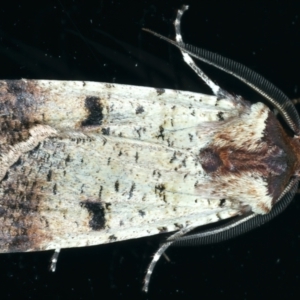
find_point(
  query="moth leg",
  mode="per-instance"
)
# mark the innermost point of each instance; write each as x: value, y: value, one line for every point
x: 217, y: 91
x: 53, y: 261
x: 160, y: 251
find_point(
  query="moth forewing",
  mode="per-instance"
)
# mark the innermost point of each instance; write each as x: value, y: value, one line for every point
x: 107, y: 162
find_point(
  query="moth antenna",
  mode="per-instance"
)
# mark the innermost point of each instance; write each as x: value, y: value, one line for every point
x: 217, y: 90
x: 254, y: 80
x: 241, y: 224
x: 160, y: 251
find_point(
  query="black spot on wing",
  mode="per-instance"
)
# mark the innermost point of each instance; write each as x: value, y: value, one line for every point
x: 139, y: 110
x: 55, y: 189
x: 100, y: 191
x: 117, y: 185
x: 159, y: 190
x: 131, y: 190
x: 112, y: 238
x: 142, y: 213
x: 161, y: 133
x: 5, y: 177
x: 105, y: 131
x: 68, y: 159
x: 173, y: 158
x: 35, y: 149
x: 94, y: 108
x: 49, y: 175
x: 138, y: 131
x: 17, y: 163
x: 220, y: 116
x: 222, y: 202
x: 96, y: 212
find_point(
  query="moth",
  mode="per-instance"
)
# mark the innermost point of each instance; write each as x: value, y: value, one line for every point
x: 85, y: 163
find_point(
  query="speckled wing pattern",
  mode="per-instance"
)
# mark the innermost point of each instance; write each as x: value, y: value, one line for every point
x: 86, y: 163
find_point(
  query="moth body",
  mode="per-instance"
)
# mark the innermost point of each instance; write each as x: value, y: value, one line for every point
x: 85, y: 163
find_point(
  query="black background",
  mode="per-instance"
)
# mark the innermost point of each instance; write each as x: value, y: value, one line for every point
x: 103, y: 41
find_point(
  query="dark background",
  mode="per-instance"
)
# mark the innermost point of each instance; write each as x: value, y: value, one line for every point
x: 103, y: 41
